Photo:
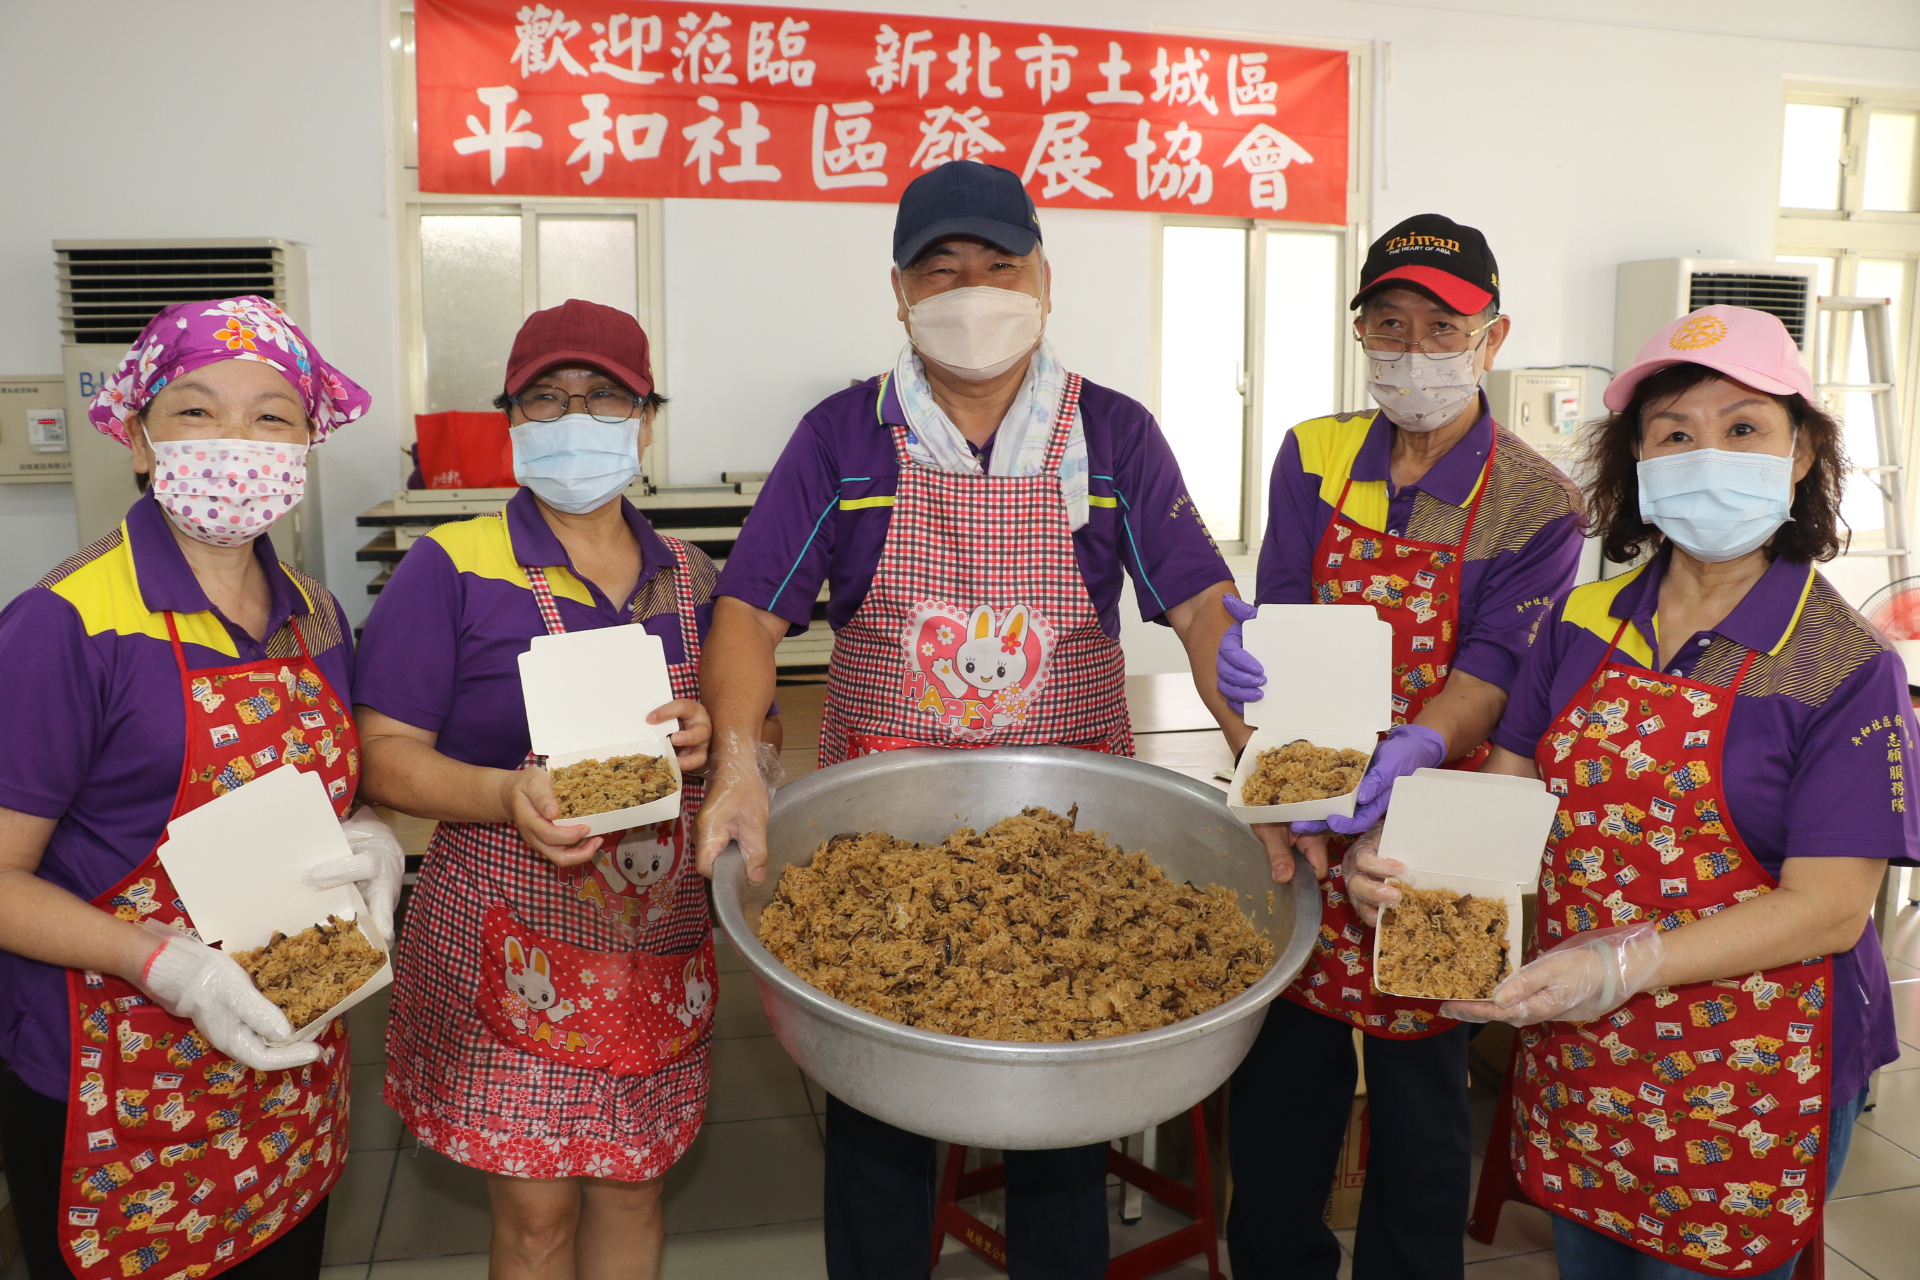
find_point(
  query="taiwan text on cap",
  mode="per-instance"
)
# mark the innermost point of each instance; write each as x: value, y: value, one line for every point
x: 1440, y: 257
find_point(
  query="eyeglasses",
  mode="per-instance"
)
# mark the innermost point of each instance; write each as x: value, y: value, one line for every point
x: 1450, y: 342
x: 606, y: 404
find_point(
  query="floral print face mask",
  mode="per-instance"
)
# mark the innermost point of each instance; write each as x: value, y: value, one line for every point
x: 226, y: 493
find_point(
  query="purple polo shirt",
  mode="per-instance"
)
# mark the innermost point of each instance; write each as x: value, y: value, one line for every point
x: 1816, y: 747
x: 824, y: 513
x: 96, y: 729
x: 441, y: 649
x: 1526, y: 542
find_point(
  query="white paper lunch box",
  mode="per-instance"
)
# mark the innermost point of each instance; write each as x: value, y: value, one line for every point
x: 1475, y: 833
x: 1329, y: 680
x: 240, y: 862
x: 588, y: 694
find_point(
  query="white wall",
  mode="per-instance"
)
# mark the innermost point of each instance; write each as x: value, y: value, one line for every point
x: 1599, y: 134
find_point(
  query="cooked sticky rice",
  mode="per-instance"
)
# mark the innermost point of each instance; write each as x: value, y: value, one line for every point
x: 1301, y: 771
x: 313, y: 970
x: 1031, y: 930
x: 620, y: 782
x: 1436, y: 944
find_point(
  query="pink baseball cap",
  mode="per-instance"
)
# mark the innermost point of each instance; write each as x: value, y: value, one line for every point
x: 1748, y: 346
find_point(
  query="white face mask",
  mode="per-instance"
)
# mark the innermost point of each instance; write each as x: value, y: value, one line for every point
x: 978, y: 332
x: 576, y: 463
x: 226, y: 493
x: 1716, y: 504
x: 1419, y: 392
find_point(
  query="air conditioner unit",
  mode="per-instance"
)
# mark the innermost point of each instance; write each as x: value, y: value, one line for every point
x: 109, y: 289
x: 1653, y: 294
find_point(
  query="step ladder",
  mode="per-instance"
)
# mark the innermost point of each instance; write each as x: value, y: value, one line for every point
x: 1833, y: 349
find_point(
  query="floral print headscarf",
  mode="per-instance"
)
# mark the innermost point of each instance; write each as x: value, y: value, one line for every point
x: 190, y: 335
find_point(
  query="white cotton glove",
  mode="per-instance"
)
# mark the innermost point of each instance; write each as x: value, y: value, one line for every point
x: 740, y: 785
x: 1366, y: 875
x: 191, y: 980
x: 1585, y: 977
x: 374, y: 867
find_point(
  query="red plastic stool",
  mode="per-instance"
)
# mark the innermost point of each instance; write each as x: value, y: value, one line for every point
x: 1201, y: 1238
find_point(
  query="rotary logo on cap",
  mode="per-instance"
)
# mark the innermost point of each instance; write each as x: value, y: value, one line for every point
x: 1696, y: 332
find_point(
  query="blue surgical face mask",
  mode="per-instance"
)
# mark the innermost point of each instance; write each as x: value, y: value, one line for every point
x: 1716, y: 504
x: 576, y: 463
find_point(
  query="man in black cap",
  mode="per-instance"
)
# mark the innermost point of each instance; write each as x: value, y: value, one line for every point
x: 971, y: 513
x: 1461, y: 537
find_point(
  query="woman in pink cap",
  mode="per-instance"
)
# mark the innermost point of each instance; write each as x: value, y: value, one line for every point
x: 1728, y: 740
x: 152, y: 1117
x: 514, y: 1045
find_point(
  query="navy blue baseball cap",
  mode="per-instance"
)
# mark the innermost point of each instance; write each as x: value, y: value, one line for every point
x: 965, y: 198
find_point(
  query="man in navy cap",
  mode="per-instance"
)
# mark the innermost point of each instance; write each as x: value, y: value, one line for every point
x: 970, y: 512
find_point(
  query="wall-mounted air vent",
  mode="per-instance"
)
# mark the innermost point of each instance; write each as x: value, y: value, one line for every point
x: 109, y: 289
x: 1781, y: 295
x: 1653, y: 294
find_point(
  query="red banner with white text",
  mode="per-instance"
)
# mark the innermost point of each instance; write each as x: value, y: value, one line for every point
x: 763, y: 103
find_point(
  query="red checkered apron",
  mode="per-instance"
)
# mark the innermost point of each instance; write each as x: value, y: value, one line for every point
x: 977, y: 630
x: 1691, y: 1122
x: 1414, y: 586
x: 180, y: 1161
x: 555, y: 1105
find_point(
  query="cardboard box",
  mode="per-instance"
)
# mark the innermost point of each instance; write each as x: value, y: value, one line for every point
x: 240, y: 863
x: 1342, y: 1212
x: 1477, y: 833
x: 1329, y: 680
x: 588, y: 694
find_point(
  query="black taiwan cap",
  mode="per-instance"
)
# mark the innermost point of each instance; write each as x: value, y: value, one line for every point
x: 965, y: 198
x: 1438, y: 256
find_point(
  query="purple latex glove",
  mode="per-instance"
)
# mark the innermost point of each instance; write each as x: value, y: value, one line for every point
x: 1407, y: 748
x: 1238, y: 674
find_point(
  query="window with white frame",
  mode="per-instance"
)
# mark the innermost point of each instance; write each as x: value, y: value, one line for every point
x: 1252, y: 318
x: 1849, y: 204
x: 478, y: 267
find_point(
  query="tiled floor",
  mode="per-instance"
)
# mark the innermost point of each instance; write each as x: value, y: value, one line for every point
x: 745, y: 1201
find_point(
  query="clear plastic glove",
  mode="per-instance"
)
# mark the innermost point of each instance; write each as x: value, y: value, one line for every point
x: 191, y: 980
x: 1585, y: 977
x: 374, y: 867
x: 1366, y: 875
x: 1407, y: 748
x: 739, y: 797
x: 1236, y: 673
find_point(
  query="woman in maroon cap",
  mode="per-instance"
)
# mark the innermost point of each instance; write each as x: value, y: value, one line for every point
x: 573, y: 1129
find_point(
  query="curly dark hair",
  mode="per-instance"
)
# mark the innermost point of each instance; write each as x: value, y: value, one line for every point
x: 1613, y: 491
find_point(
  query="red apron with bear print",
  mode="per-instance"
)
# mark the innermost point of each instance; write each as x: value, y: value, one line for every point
x: 179, y: 1160
x: 1419, y: 596
x: 1691, y: 1122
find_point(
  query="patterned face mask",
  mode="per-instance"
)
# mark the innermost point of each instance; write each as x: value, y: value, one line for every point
x: 226, y: 493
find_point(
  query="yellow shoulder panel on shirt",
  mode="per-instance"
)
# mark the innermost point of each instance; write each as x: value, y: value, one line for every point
x: 483, y: 547
x: 1591, y: 606
x: 1328, y: 447
x: 103, y: 588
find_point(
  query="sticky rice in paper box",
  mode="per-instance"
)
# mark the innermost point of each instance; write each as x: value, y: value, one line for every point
x: 1478, y: 834
x: 588, y: 694
x: 1329, y: 682
x: 240, y: 862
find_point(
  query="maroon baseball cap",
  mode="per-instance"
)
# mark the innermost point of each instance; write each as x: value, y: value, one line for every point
x: 581, y: 332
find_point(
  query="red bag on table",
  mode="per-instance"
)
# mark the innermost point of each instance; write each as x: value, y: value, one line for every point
x: 461, y: 450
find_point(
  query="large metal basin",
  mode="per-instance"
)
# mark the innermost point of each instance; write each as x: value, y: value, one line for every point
x: 1001, y: 1094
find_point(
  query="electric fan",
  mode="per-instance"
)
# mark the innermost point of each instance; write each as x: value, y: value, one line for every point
x: 1895, y: 610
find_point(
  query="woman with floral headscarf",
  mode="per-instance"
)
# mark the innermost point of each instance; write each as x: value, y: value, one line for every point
x: 152, y: 1116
